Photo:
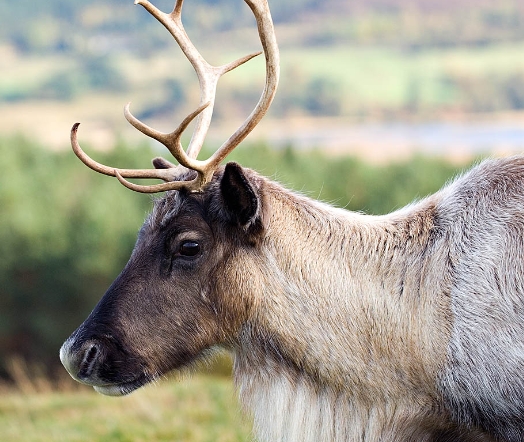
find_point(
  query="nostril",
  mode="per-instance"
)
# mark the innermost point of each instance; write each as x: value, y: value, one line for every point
x: 89, y: 362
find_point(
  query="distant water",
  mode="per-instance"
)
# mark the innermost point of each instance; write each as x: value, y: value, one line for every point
x: 438, y: 138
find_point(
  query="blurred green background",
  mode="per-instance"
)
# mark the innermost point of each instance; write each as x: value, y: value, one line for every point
x: 354, y: 74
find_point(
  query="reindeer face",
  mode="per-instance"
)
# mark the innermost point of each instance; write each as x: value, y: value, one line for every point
x: 173, y: 299
x: 170, y: 301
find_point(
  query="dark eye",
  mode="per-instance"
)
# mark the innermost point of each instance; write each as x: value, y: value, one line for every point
x: 189, y: 248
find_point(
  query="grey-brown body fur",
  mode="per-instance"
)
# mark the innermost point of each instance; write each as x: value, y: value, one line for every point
x: 344, y: 327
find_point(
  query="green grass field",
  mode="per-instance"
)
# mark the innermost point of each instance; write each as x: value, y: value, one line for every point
x: 357, y: 80
x: 371, y: 76
x: 368, y: 67
x: 202, y: 408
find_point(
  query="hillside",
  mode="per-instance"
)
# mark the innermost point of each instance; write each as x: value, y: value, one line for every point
x: 359, y: 61
x: 59, y: 25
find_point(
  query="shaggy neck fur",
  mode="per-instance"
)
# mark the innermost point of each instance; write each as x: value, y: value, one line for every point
x: 339, y: 345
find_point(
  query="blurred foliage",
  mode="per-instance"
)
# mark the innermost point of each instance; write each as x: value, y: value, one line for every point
x: 94, y: 74
x: 412, y: 25
x: 347, y: 181
x: 66, y: 232
x: 364, y: 58
x: 488, y: 93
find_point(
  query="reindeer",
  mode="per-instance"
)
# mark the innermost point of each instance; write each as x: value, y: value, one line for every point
x: 343, y: 326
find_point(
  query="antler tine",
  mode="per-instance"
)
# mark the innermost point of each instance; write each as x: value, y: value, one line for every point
x: 163, y: 174
x: 207, y: 74
x: 208, y: 77
x: 155, y: 188
x: 170, y: 140
x: 266, y: 31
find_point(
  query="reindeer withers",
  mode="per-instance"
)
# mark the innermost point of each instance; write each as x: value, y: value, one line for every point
x: 344, y: 327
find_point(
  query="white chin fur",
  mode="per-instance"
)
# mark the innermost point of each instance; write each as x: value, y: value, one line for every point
x: 110, y: 390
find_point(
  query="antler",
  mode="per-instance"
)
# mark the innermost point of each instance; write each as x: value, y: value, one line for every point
x: 208, y: 77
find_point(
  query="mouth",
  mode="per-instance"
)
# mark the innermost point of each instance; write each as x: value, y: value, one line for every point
x: 123, y: 388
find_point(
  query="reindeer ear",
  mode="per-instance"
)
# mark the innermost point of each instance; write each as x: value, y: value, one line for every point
x: 239, y: 195
x: 161, y: 163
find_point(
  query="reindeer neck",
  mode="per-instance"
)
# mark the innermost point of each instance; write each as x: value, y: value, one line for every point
x: 345, y: 306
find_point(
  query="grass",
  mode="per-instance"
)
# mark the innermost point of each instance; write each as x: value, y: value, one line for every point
x: 202, y: 408
x: 381, y: 76
x: 369, y: 67
x: 363, y: 80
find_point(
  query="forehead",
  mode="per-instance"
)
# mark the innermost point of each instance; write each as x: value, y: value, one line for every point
x: 171, y: 206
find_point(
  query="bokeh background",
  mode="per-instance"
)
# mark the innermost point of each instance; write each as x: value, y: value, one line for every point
x: 380, y: 102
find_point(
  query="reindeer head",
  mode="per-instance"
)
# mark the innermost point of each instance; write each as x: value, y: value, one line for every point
x: 181, y: 292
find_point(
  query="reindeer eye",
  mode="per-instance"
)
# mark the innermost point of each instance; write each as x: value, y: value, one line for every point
x: 189, y: 248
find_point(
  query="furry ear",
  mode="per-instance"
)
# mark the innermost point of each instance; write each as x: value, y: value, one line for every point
x: 239, y: 196
x: 161, y: 163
